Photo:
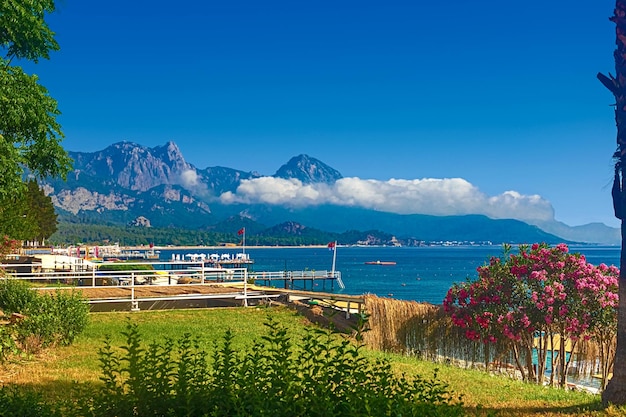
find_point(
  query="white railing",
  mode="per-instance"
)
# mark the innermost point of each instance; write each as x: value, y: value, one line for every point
x: 85, y: 274
x: 101, y: 275
x: 298, y: 275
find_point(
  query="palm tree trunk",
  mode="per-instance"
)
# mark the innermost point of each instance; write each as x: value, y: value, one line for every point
x: 615, y: 392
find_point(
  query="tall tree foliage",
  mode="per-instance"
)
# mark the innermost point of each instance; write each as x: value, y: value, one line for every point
x: 29, y: 216
x: 13, y: 219
x: 615, y: 392
x: 39, y: 213
x: 30, y: 137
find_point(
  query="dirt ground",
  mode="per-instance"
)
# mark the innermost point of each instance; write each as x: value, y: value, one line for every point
x: 153, y: 291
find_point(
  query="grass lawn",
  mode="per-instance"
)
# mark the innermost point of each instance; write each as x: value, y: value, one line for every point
x: 54, y: 371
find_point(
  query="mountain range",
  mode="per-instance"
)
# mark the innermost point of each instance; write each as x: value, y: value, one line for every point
x: 127, y: 183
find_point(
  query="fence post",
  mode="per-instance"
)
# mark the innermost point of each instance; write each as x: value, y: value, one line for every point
x: 245, y: 288
x: 134, y: 304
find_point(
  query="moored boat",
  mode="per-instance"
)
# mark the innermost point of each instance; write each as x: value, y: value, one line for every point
x: 380, y: 263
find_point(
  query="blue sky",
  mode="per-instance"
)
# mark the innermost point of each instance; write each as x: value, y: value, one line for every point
x: 465, y: 103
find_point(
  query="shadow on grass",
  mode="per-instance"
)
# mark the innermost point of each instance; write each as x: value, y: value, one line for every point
x: 591, y: 408
x: 58, y: 392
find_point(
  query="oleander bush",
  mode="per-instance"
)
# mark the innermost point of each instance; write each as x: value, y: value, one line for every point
x: 321, y: 375
x: 522, y: 303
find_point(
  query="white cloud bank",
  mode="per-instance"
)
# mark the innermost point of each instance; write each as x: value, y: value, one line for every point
x: 439, y: 197
x: 190, y: 180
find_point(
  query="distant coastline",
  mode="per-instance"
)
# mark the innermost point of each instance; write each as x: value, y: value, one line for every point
x: 168, y: 247
x: 222, y: 247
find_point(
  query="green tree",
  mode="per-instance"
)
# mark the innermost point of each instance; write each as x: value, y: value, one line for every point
x: 28, y: 216
x: 13, y: 220
x: 39, y: 213
x: 30, y: 137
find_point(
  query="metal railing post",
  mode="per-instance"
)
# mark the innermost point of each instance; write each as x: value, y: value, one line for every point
x: 134, y: 304
x: 245, y: 288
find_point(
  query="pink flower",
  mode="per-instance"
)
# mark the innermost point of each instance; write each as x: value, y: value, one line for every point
x: 562, y: 247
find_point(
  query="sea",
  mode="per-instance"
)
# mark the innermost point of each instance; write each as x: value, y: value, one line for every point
x: 422, y: 274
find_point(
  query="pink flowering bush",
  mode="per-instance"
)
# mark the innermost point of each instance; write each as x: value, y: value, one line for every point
x: 601, y: 309
x: 8, y: 245
x: 476, y: 306
x: 536, y: 298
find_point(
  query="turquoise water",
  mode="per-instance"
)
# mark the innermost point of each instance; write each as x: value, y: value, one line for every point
x: 421, y: 274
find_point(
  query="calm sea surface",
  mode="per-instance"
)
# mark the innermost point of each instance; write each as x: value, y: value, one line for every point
x: 421, y: 274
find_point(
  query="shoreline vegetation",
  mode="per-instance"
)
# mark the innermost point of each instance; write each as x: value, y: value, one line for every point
x: 392, y: 323
x: 483, y: 393
x: 397, y: 320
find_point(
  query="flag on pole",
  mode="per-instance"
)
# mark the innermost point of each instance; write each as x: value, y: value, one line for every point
x: 333, y: 247
x: 242, y: 231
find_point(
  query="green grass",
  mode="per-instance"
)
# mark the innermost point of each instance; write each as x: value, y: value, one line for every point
x: 503, y: 395
x: 79, y: 362
x: 484, y: 394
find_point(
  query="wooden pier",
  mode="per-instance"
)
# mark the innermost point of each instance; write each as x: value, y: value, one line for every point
x: 293, y: 280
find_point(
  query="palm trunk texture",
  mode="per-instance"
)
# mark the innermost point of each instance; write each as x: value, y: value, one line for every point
x: 615, y: 392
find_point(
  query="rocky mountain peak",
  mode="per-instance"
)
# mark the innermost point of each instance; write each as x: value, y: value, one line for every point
x: 133, y: 166
x: 171, y: 153
x: 127, y: 182
x: 308, y: 170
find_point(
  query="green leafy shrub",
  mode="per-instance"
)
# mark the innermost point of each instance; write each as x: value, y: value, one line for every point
x: 50, y: 319
x: 7, y: 344
x: 20, y: 403
x: 16, y: 296
x: 321, y: 375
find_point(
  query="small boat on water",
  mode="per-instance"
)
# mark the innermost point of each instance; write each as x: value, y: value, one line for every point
x: 380, y: 263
